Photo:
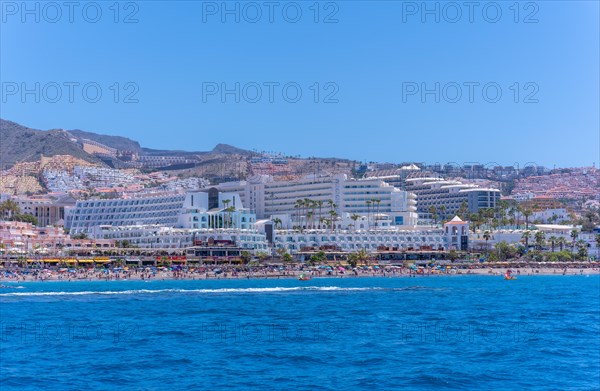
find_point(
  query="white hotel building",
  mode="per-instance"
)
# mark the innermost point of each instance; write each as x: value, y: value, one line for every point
x: 159, y: 209
x: 178, y: 220
x: 268, y: 198
x: 370, y: 240
x: 438, y: 192
x: 169, y: 221
x: 161, y: 237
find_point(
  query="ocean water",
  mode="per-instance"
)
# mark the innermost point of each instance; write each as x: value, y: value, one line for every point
x: 426, y: 333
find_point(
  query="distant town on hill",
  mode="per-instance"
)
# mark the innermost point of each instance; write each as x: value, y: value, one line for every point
x: 39, y: 161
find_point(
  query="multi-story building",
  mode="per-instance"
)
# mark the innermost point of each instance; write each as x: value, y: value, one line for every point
x: 47, y: 210
x: 206, y: 208
x: 268, y: 198
x: 160, y: 209
x: 164, y: 238
x: 182, y: 220
x: 20, y: 238
x: 370, y: 240
x: 214, y: 209
x: 154, y: 161
x: 447, y: 196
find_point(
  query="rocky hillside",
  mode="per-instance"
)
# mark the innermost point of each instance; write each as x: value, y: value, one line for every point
x: 116, y: 142
x: 20, y: 144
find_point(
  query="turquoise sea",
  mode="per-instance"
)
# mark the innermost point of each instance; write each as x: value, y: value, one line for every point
x: 426, y: 333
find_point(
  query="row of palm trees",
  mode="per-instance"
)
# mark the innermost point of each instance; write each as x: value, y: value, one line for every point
x: 10, y: 211
x: 540, y: 241
x: 306, y: 213
x: 505, y: 213
x: 577, y: 247
x: 228, y: 223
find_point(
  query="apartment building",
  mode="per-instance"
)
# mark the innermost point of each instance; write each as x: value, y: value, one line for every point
x: 369, y: 240
x: 448, y: 196
x: 160, y: 209
x: 266, y: 197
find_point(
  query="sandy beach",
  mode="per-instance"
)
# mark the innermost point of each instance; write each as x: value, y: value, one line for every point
x: 222, y: 273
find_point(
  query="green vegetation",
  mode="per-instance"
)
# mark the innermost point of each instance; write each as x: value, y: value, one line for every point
x: 10, y: 211
x: 20, y: 143
x: 361, y: 256
x: 245, y: 256
x: 284, y: 255
x: 317, y: 258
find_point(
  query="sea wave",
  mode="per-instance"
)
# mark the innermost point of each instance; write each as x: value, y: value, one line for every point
x: 221, y: 290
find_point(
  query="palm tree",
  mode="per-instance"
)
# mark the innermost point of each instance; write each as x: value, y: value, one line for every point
x: 376, y: 201
x: 298, y: 205
x: 277, y: 222
x: 526, y: 235
x: 333, y: 214
x: 540, y: 239
x: 517, y: 213
x: 225, y: 207
x: 331, y: 204
x: 309, y: 218
x: 363, y: 255
x: 502, y: 208
x: 463, y: 210
x: 574, y: 236
x: 229, y: 211
x: 307, y: 205
x: 562, y: 242
x: 526, y: 212
x: 552, y: 240
x: 433, y: 212
x: 487, y: 236
x: 512, y: 211
x: 323, y: 220
x: 582, y: 249
x: 488, y: 214
x: 368, y: 202
x: 443, y: 212
x: 315, y: 205
x: 320, y: 205
x: 355, y: 217
x: 8, y: 209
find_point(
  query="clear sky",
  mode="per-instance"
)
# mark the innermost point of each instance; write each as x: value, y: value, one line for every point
x: 371, y: 61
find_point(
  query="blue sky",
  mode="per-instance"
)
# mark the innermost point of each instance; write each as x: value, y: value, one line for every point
x: 370, y: 64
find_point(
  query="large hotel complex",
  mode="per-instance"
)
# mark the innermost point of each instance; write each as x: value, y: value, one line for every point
x: 262, y: 215
x: 391, y: 212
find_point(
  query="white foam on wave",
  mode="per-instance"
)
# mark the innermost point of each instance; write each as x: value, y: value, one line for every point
x: 221, y: 290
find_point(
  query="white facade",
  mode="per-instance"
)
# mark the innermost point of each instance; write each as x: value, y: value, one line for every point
x: 227, y: 212
x: 197, y: 215
x: 161, y: 237
x: 370, y: 240
x: 550, y: 230
x: 557, y: 215
x: 159, y: 209
x: 195, y: 210
x: 450, y: 195
x: 268, y: 198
